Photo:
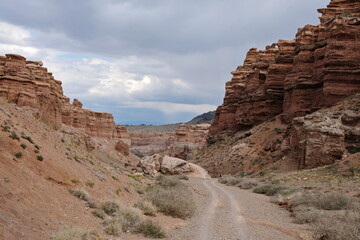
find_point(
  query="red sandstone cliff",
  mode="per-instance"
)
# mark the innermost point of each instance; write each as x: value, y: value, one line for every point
x: 28, y: 83
x: 297, y: 77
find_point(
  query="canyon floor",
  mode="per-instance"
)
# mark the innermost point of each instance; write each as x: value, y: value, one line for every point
x: 229, y: 213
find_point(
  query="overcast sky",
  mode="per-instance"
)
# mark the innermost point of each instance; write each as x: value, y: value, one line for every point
x: 147, y: 61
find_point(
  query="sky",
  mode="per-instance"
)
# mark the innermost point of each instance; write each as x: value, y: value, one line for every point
x: 147, y: 61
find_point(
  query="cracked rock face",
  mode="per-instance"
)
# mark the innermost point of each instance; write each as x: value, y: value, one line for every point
x: 297, y: 77
x: 321, y: 138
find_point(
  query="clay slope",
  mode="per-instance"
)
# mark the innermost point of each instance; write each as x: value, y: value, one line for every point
x: 297, y: 77
x: 38, y: 167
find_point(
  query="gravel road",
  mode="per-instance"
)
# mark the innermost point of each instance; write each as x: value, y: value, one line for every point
x: 229, y: 213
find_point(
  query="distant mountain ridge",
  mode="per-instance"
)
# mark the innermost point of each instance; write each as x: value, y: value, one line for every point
x: 203, y: 118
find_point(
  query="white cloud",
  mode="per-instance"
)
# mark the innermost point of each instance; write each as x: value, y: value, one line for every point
x: 10, y: 33
x: 170, y: 108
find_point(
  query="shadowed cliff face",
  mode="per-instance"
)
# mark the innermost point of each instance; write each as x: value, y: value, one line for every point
x: 28, y: 83
x: 296, y: 77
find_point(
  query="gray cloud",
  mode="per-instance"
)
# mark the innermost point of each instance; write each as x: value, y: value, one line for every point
x: 187, y: 48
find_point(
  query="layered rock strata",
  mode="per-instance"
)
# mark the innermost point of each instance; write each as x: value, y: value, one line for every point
x: 28, y: 83
x: 297, y: 77
x: 183, y: 143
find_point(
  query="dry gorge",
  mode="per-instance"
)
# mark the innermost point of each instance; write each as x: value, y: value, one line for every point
x: 284, y: 145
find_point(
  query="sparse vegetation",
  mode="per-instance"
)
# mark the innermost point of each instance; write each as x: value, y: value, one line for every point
x: 14, y: 136
x: 147, y: 207
x: 269, y: 189
x: 175, y: 202
x: 74, y: 180
x: 40, y: 158
x: 18, y: 155
x: 353, y: 149
x: 110, y: 208
x: 183, y: 177
x: 23, y: 146
x: 80, y: 194
x: 118, y: 191
x: 28, y: 139
x: 90, y: 184
x: 129, y: 219
x: 5, y: 128
x: 113, y: 227
x: 76, y: 234
x: 99, y: 213
x: 150, y: 229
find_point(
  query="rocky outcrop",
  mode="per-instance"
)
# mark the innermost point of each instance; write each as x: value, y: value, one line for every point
x: 156, y: 165
x: 322, y: 138
x: 183, y: 143
x: 122, y: 148
x: 297, y: 77
x: 28, y: 83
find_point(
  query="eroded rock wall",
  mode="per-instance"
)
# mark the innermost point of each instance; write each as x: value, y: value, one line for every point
x: 294, y: 78
x: 28, y: 83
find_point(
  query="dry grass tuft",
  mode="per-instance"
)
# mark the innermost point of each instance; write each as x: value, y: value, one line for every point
x: 150, y: 229
x: 75, y: 234
x: 110, y: 208
x: 80, y: 194
x: 147, y: 207
x: 269, y: 189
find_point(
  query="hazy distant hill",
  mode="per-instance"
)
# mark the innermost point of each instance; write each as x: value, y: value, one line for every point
x: 203, y: 118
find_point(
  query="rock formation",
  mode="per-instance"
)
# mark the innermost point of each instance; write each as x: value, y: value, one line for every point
x: 156, y: 165
x: 183, y: 143
x: 28, y: 83
x: 297, y: 77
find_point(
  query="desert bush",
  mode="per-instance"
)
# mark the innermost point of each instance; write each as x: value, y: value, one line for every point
x: 344, y: 227
x: 23, y: 146
x: 269, y: 189
x: 99, y: 213
x: 248, y: 183
x: 168, y: 181
x: 150, y: 229
x: 18, y: 155
x: 229, y: 180
x: 110, y: 208
x: 176, y: 202
x: 129, y: 219
x: 75, y: 234
x: 28, y: 138
x: 147, y: 207
x: 113, y: 227
x: 80, y: 194
x: 334, y: 201
x: 306, y: 215
x: 39, y: 158
x: 90, y: 184
x: 14, y: 136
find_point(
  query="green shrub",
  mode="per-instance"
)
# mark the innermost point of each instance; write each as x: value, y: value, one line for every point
x: 248, y: 183
x: 150, y: 229
x: 23, y: 146
x: 14, y: 136
x: 110, y: 208
x: 353, y: 149
x: 168, y: 181
x: 18, y: 155
x: 40, y: 158
x: 5, y: 128
x: 90, y: 184
x: 28, y: 138
x: 36, y: 151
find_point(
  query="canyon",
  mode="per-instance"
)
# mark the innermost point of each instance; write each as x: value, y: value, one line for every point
x: 292, y: 79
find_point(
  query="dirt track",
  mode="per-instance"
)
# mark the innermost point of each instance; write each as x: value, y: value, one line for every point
x: 229, y: 213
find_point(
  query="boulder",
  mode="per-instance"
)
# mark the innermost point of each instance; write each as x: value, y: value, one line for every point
x: 174, y: 166
x: 151, y: 164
